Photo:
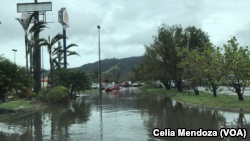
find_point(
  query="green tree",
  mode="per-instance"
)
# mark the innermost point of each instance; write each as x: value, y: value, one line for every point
x: 13, y: 77
x: 161, y: 57
x: 191, y: 68
x: 49, y: 43
x: 237, y: 64
x: 162, y: 54
x: 195, y: 38
x: 212, y: 67
x: 75, y: 81
x: 94, y: 75
x: 206, y: 67
x: 138, y: 73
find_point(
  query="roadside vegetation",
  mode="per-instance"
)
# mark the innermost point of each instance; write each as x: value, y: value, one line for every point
x: 17, y: 108
x: 186, y: 58
x: 204, y: 99
x: 18, y: 87
x: 17, y: 104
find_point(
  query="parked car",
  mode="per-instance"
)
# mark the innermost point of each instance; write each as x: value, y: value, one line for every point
x: 125, y: 84
x: 94, y: 85
x: 112, y: 87
x: 108, y: 89
x: 115, y: 87
x: 136, y: 84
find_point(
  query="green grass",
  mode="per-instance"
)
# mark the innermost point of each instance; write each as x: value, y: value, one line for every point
x: 20, y: 108
x: 91, y: 91
x: 12, y: 105
x: 204, y: 98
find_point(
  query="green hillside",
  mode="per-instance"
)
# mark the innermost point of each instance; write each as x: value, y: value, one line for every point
x: 125, y: 66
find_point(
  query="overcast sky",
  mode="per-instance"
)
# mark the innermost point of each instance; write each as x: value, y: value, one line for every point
x: 126, y: 25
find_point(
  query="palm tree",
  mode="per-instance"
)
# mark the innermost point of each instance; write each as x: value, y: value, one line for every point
x: 70, y: 53
x: 58, y: 53
x: 36, y: 28
x: 50, y: 42
x: 13, y: 77
x: 25, y: 23
x: 58, y: 60
x: 31, y: 46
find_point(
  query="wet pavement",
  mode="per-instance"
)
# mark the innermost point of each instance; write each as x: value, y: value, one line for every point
x: 125, y: 115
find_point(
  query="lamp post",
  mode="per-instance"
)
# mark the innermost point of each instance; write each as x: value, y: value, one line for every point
x: 100, y: 83
x: 14, y: 50
x: 100, y: 69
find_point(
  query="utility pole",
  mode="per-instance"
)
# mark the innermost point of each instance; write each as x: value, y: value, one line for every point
x: 37, y: 55
x: 114, y: 71
x: 100, y: 68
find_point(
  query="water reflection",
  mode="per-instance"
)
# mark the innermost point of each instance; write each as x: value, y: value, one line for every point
x: 101, y: 122
x: 120, y: 115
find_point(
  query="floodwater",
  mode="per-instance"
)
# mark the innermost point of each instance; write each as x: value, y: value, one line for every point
x: 125, y: 115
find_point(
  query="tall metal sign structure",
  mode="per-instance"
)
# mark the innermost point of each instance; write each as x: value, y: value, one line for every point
x: 37, y: 9
x: 63, y: 18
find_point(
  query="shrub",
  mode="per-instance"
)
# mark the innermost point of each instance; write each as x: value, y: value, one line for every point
x: 54, y: 95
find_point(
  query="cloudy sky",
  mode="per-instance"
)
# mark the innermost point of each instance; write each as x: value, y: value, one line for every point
x: 126, y: 25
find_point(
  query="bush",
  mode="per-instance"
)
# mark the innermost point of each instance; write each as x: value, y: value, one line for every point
x: 147, y: 85
x: 54, y: 95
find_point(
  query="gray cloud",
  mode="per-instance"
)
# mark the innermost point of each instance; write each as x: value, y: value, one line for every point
x: 126, y: 25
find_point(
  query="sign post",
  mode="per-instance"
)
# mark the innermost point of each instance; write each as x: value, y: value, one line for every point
x: 63, y: 18
x: 36, y: 8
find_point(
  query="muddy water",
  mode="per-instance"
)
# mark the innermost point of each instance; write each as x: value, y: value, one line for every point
x: 125, y: 115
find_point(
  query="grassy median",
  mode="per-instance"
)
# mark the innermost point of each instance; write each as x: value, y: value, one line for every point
x: 17, y: 108
x: 205, y: 98
x: 17, y: 104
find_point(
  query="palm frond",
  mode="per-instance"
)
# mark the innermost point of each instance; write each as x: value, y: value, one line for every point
x: 38, y: 27
x: 70, y: 53
x: 71, y: 45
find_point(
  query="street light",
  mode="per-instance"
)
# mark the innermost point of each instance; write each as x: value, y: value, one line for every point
x: 14, y: 50
x: 100, y: 80
x: 100, y: 70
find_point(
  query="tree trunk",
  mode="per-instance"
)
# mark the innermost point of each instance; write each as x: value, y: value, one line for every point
x: 2, y: 97
x: 214, y: 88
x: 51, y: 69
x: 240, y: 97
x: 71, y: 92
x: 237, y: 88
x: 179, y: 85
x: 196, y: 91
x: 26, y: 52
x: 31, y: 58
x: 166, y: 84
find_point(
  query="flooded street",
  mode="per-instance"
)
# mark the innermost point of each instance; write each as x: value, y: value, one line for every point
x: 121, y: 115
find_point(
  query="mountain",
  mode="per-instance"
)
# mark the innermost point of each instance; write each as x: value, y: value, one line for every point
x: 125, y: 65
